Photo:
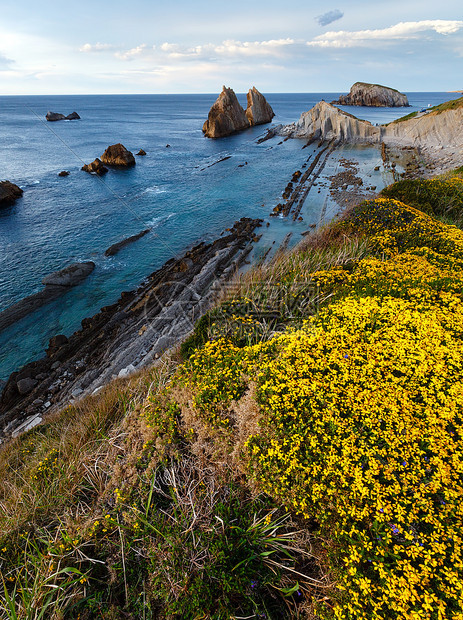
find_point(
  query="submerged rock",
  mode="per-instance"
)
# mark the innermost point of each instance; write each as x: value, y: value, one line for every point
x: 373, y: 95
x: 69, y: 276
x: 96, y: 167
x: 117, y: 155
x: 114, y: 249
x: 9, y: 193
x: 56, y: 284
x: 56, y: 116
x: 258, y: 111
x: 226, y: 116
x: 64, y: 173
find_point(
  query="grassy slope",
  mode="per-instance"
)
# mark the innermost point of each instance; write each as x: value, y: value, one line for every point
x: 453, y: 104
x: 301, y: 458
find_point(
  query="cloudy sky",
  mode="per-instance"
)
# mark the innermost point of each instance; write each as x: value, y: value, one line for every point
x: 185, y: 46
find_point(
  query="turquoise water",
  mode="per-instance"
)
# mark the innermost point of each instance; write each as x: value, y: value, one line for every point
x: 171, y: 190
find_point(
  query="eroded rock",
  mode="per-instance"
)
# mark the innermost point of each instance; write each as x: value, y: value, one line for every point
x: 258, y: 110
x: 56, y: 116
x: 96, y: 167
x: 117, y: 155
x: 9, y: 193
x: 226, y: 116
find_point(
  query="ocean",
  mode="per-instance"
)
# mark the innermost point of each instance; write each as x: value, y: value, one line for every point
x: 179, y: 191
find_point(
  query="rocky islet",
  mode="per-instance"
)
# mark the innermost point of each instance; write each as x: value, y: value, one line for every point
x: 227, y: 117
x: 373, y: 95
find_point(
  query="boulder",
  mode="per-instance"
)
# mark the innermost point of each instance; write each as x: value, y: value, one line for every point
x: 373, y: 95
x: 9, y: 193
x: 96, y: 167
x: 70, y: 276
x: 258, y: 110
x: 56, y: 343
x: 56, y: 116
x: 64, y: 173
x: 141, y: 152
x: 117, y: 155
x: 226, y: 116
x: 26, y: 385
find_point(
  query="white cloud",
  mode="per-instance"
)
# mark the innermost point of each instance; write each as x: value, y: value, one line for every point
x: 5, y: 63
x: 274, y: 47
x: 229, y: 48
x: 132, y: 53
x: 400, y: 31
x: 329, y: 17
x: 96, y: 47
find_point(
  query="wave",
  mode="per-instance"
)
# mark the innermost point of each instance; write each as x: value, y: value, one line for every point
x: 157, y: 221
x: 154, y: 189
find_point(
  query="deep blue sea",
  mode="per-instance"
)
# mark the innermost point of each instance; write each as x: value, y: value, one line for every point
x: 172, y: 190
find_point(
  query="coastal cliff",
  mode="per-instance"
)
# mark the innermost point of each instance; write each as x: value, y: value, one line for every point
x: 373, y: 95
x: 326, y: 122
x: 437, y: 132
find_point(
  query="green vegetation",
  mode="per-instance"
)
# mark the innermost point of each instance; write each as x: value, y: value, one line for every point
x: 453, y: 104
x: 403, y: 118
x: 301, y: 456
x: 366, y: 84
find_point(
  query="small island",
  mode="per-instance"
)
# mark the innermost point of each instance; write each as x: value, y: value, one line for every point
x: 227, y: 117
x: 373, y: 95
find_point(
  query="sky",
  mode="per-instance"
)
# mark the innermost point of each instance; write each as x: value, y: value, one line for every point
x: 185, y: 46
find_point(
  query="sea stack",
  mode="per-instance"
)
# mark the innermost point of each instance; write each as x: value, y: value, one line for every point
x: 373, y: 95
x: 258, y: 111
x: 9, y: 193
x: 226, y: 116
x: 117, y: 155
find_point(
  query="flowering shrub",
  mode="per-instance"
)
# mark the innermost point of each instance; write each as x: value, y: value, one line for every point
x: 361, y: 424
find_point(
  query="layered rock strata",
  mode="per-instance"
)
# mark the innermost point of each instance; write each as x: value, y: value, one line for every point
x: 127, y: 335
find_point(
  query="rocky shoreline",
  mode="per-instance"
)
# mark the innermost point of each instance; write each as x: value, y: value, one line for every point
x: 127, y: 335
